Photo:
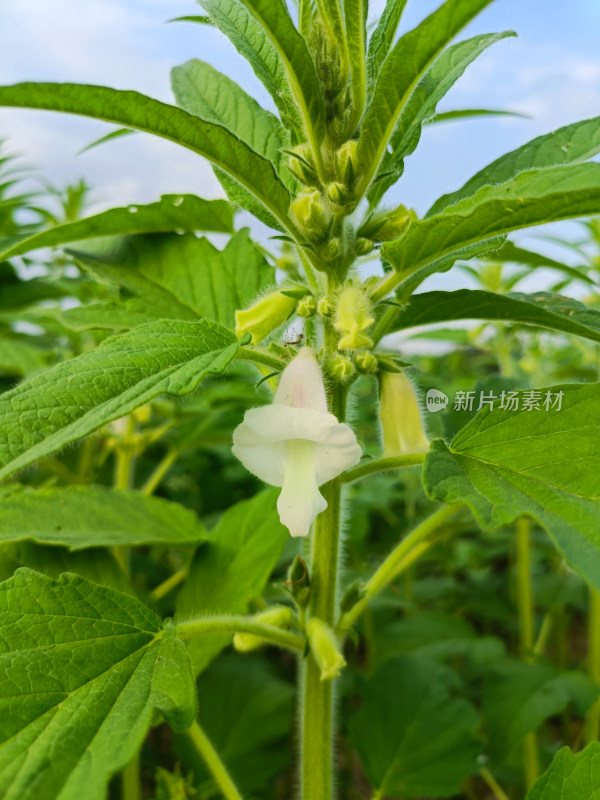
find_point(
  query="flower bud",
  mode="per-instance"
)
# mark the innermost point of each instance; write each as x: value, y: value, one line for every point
x: 325, y: 307
x: 301, y: 164
x: 352, y: 317
x: 143, y: 413
x: 400, y: 417
x: 366, y: 363
x: 332, y: 249
x: 388, y: 225
x: 325, y: 649
x: 298, y: 582
x: 307, y: 306
x: 311, y: 214
x: 279, y: 616
x: 265, y: 316
x: 337, y: 193
x: 346, y: 163
x: 340, y: 368
x: 362, y: 246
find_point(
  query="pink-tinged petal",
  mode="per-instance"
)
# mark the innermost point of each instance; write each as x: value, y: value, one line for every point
x: 301, y: 383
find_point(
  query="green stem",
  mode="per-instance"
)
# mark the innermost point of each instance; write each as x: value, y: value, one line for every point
x: 498, y: 791
x: 131, y: 784
x: 384, y: 323
x: 381, y: 465
x: 124, y: 480
x: 397, y: 560
x: 163, y: 466
x: 168, y: 585
x: 526, y: 623
x: 211, y: 758
x: 592, y: 719
x: 248, y: 354
x: 239, y: 624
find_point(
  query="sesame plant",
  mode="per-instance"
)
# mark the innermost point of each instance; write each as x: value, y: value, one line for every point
x: 180, y: 361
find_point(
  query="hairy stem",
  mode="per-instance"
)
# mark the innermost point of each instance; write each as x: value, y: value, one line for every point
x: 168, y: 585
x: 239, y: 624
x: 161, y: 469
x: 498, y: 791
x: 525, y: 607
x: 202, y: 744
x: 397, y: 560
x: 249, y: 354
x: 592, y: 719
x: 382, y: 465
x: 131, y: 784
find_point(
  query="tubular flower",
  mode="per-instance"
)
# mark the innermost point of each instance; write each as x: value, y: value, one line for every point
x: 400, y: 417
x: 296, y: 443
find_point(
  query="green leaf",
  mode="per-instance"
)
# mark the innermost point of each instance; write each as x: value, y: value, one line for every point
x: 571, y: 776
x: 19, y: 356
x: 471, y: 113
x: 553, y: 312
x: 355, y: 17
x: 76, y: 397
x: 413, y: 736
x: 247, y: 713
x: 95, y: 516
x: 403, y: 69
x: 192, y: 18
x: 519, y: 255
x: 422, y: 103
x: 232, y: 568
x: 571, y: 144
x: 116, y: 134
x: 539, y: 463
x: 177, y: 276
x: 172, y: 212
x: 519, y: 697
x: 115, y: 316
x: 382, y: 38
x: 250, y: 40
x: 83, y: 670
x: 213, y: 97
x: 143, y: 113
x: 478, y: 223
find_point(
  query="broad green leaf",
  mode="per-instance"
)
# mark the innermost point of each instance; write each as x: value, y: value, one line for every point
x: 250, y: 40
x: 208, y: 94
x: 84, y: 668
x: 541, y: 463
x: 143, y: 113
x: 355, y: 15
x: 172, y: 212
x: 382, y: 38
x: 478, y: 224
x: 413, y: 736
x: 553, y: 312
x: 509, y: 252
x: 115, y: 316
x: 571, y: 776
x: 421, y: 106
x: 232, y: 568
x: 97, y: 564
x: 519, y: 697
x: 95, y: 516
x: 247, y: 713
x: 276, y: 22
x: 402, y: 71
x: 76, y: 397
x: 571, y: 144
x: 179, y: 276
x: 18, y: 356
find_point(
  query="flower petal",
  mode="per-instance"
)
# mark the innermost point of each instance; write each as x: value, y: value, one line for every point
x: 300, y: 500
x: 301, y: 383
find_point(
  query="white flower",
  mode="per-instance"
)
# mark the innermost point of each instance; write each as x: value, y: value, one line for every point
x: 296, y: 443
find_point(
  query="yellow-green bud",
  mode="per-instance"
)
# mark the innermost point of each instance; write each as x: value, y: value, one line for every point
x: 362, y: 246
x: 346, y: 163
x: 332, y: 249
x: 311, y: 214
x: 303, y: 167
x: 325, y: 649
x: 352, y: 317
x: 388, y: 225
x: 337, y: 193
x: 325, y: 306
x: 340, y: 368
x: 143, y: 413
x: 366, y: 363
x: 400, y: 417
x: 265, y: 316
x: 307, y: 306
x: 279, y: 616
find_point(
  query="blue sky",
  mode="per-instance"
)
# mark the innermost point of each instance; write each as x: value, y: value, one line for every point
x: 551, y: 72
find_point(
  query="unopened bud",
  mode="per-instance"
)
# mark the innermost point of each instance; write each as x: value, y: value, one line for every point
x: 265, y: 316
x: 279, y: 616
x: 388, y: 225
x: 332, y: 249
x: 400, y: 417
x: 341, y: 368
x: 311, y: 214
x: 337, y: 193
x: 352, y: 317
x: 346, y: 163
x: 362, y: 246
x: 325, y: 649
x: 307, y: 306
x: 366, y: 363
x: 325, y: 307
x: 301, y: 165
